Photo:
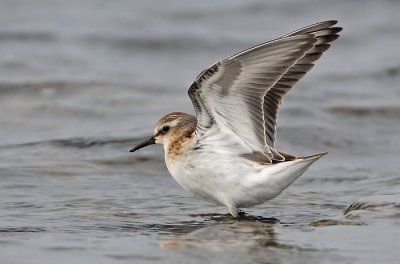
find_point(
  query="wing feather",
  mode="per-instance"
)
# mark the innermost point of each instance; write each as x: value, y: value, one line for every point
x: 324, y: 34
x: 239, y: 96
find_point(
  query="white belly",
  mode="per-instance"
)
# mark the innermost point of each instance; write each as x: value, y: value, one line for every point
x: 233, y: 181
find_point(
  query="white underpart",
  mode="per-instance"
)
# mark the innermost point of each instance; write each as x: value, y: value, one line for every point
x: 231, y: 180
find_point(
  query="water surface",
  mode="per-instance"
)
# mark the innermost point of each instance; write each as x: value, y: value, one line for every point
x: 82, y: 81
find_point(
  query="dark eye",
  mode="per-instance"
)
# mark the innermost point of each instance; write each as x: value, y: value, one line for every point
x: 165, y: 129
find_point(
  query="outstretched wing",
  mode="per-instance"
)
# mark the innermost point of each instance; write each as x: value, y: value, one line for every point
x: 230, y: 94
x: 324, y: 33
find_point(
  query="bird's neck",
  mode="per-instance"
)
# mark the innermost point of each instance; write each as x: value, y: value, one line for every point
x: 180, y: 145
x: 182, y: 139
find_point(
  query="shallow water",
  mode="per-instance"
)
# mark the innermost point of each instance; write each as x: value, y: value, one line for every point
x: 82, y: 82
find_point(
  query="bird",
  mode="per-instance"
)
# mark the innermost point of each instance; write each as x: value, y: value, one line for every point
x: 226, y: 154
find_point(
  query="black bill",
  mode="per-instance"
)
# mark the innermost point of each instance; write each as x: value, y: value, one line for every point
x: 147, y: 142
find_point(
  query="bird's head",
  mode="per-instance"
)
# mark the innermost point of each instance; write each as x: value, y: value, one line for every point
x: 169, y: 129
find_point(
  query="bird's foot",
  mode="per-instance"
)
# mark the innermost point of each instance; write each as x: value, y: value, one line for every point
x: 236, y: 213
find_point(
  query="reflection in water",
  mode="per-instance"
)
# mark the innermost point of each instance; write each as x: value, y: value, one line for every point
x: 249, y: 233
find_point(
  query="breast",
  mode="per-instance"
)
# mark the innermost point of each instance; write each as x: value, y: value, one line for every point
x: 180, y: 145
x: 181, y: 166
x: 189, y: 173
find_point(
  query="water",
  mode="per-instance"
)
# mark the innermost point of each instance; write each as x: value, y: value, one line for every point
x: 82, y: 81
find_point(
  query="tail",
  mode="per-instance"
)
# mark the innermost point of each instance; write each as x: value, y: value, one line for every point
x: 288, y: 171
x: 304, y: 162
x: 313, y: 158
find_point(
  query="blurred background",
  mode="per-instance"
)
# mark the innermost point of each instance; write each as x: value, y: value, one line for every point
x: 82, y: 81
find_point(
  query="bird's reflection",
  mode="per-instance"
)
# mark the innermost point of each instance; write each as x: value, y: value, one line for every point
x: 219, y: 232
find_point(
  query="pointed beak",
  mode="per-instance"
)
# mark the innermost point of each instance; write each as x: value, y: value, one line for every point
x: 147, y: 142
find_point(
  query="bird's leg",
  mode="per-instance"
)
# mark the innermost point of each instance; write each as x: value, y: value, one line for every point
x: 234, y: 212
